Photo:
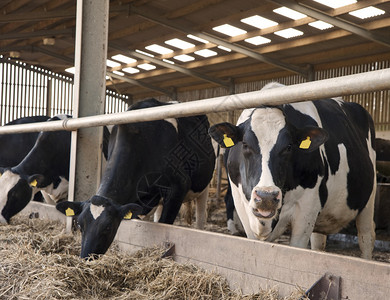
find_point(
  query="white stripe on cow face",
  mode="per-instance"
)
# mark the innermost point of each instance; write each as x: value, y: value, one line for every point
x: 7, y: 181
x: 96, y: 210
x: 266, y: 124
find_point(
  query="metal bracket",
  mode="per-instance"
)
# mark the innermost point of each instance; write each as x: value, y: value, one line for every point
x: 170, y: 249
x: 326, y: 288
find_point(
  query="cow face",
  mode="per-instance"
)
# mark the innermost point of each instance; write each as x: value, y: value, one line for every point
x: 263, y: 149
x: 15, y: 194
x: 98, y: 219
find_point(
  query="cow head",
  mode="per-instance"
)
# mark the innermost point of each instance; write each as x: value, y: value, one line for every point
x: 98, y: 219
x: 264, y: 150
x: 15, y: 194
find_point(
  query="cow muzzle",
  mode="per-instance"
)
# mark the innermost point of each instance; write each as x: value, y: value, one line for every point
x: 266, y: 201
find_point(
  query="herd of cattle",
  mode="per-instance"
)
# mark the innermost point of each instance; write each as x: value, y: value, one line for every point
x: 308, y: 167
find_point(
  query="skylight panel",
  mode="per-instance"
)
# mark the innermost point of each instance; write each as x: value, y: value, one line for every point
x: 206, y: 53
x: 119, y: 73
x: 336, y: 3
x: 158, y: 49
x: 229, y: 30
x: 289, y: 33
x: 178, y: 43
x: 144, y: 53
x: 259, y: 22
x: 321, y: 25
x: 169, y: 61
x: 367, y: 12
x: 112, y: 64
x: 124, y: 59
x: 225, y: 48
x: 70, y: 70
x: 258, y: 40
x: 289, y: 13
x: 197, y: 38
x: 184, y: 57
x: 130, y: 70
x: 146, y: 67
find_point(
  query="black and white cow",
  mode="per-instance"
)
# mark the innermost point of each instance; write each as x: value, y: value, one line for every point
x: 14, y: 147
x: 149, y: 163
x: 308, y: 165
x: 45, y: 168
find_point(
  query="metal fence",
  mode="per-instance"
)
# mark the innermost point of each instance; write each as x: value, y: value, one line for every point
x: 376, y: 103
x: 28, y: 90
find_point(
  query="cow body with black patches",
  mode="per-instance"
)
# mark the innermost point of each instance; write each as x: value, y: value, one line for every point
x: 308, y: 165
x: 14, y: 147
x: 150, y: 163
x: 45, y: 168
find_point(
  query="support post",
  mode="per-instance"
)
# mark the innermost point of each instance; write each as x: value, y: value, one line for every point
x: 89, y: 96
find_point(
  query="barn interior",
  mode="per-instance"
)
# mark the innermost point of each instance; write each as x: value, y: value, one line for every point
x: 188, y: 50
x: 182, y: 50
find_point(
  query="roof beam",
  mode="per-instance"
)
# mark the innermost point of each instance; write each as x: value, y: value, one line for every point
x: 170, y: 94
x: 334, y: 21
x: 24, y: 35
x: 175, y: 67
x: 218, y: 41
x: 126, y: 79
x: 49, y: 15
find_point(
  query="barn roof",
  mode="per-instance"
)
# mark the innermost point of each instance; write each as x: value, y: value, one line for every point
x: 159, y: 46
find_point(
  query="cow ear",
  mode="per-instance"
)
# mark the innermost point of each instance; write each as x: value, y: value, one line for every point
x: 311, y: 137
x: 37, y: 180
x: 130, y: 211
x: 225, y: 134
x: 70, y: 208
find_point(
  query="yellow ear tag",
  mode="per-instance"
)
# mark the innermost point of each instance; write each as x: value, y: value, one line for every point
x: 34, y: 183
x: 128, y: 216
x: 227, y: 141
x: 69, y: 212
x: 305, y: 144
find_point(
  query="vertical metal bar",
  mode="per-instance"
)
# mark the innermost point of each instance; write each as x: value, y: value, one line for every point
x: 7, y: 93
x: 2, y: 99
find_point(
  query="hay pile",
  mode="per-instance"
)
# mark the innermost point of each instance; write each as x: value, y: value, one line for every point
x: 39, y: 261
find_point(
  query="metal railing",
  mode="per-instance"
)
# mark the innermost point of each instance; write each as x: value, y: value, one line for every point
x: 347, y: 85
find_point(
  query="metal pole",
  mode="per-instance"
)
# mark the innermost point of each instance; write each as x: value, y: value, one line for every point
x: 90, y: 88
x: 341, y: 86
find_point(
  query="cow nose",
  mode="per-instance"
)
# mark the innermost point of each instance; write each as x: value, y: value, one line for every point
x: 265, y: 195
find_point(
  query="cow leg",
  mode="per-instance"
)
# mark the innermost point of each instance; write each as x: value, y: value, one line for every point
x: 366, y: 227
x: 47, y: 198
x: 231, y: 226
x: 318, y: 241
x: 201, y: 208
x: 172, y: 204
x: 303, y: 216
x: 157, y: 213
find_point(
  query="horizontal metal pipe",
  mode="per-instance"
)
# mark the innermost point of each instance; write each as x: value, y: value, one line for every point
x: 341, y: 86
